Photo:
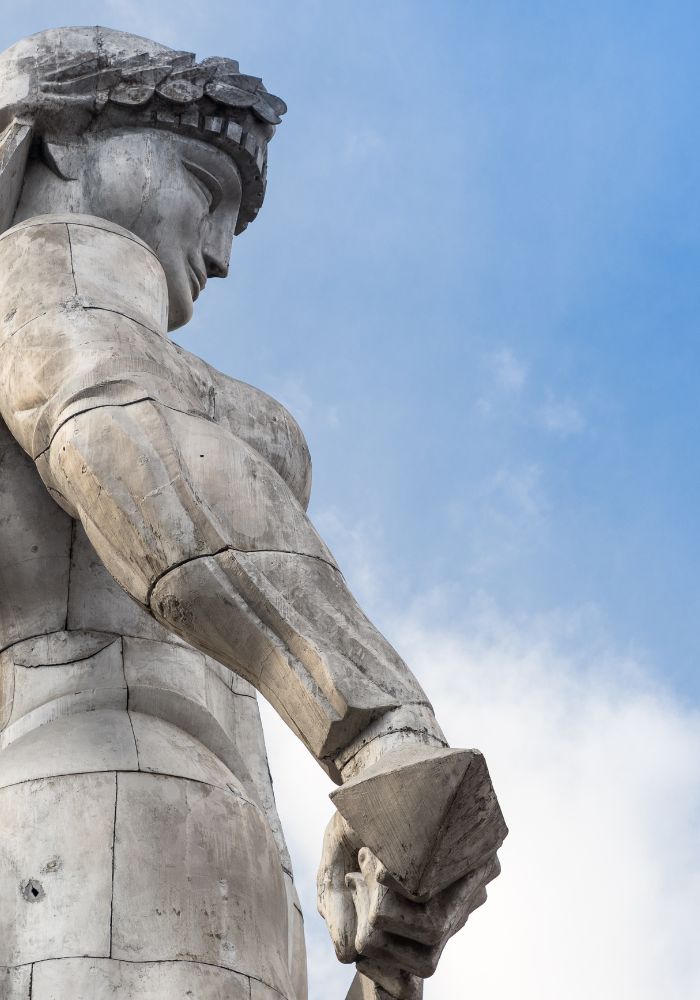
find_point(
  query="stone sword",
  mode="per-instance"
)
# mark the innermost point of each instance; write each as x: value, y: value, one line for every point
x: 431, y: 817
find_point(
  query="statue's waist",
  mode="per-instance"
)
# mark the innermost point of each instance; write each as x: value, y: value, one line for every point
x: 72, y: 672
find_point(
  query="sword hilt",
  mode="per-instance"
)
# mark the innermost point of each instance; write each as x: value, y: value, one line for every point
x: 364, y: 989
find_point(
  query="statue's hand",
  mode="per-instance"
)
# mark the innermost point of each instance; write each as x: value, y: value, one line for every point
x: 392, y: 938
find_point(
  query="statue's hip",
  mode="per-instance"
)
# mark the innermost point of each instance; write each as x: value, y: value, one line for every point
x: 124, y: 839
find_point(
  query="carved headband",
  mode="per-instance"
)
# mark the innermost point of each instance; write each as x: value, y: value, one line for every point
x: 152, y: 87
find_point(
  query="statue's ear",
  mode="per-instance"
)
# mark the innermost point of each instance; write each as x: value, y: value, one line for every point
x: 64, y: 159
x: 15, y: 143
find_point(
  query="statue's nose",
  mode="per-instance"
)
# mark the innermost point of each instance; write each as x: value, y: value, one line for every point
x: 216, y: 267
x: 217, y: 243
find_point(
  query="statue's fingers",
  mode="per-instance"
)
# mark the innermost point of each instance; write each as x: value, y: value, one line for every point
x: 371, y: 867
x: 361, y: 903
x: 392, y: 950
x: 453, y: 905
x: 334, y: 897
x: 341, y: 920
x: 415, y: 921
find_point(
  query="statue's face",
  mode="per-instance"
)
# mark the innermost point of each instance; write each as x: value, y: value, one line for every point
x: 180, y: 195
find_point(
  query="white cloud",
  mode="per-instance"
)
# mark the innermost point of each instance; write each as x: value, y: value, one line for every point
x: 506, y: 377
x: 598, y: 771
x: 516, y: 492
x: 509, y: 371
x: 561, y: 416
x: 364, y: 144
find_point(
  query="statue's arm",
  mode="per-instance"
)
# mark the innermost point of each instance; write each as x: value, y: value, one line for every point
x: 189, y: 519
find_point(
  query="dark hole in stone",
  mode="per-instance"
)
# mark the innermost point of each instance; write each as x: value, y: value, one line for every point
x: 33, y: 891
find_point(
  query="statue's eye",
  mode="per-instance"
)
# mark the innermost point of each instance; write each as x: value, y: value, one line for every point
x: 205, y: 190
x: 205, y: 182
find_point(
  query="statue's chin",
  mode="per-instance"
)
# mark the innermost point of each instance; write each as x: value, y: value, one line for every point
x: 180, y: 305
x: 178, y: 318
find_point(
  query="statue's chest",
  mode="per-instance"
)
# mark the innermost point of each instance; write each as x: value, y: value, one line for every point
x: 253, y: 416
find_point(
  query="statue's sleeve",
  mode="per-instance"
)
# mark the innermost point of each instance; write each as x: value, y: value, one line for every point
x: 190, y: 519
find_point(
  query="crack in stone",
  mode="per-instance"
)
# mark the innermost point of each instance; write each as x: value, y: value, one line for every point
x: 28, y: 638
x: 105, y: 406
x: 20, y: 328
x: 114, y: 847
x: 149, y: 962
x: 243, y: 552
x: 70, y: 567
x: 68, y: 663
x: 70, y: 252
x: 232, y: 790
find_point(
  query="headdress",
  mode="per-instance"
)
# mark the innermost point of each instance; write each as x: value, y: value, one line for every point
x: 67, y: 82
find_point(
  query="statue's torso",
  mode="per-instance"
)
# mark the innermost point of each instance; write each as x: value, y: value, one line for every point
x: 100, y: 704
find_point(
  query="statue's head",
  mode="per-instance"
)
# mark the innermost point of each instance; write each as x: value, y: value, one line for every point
x: 104, y: 123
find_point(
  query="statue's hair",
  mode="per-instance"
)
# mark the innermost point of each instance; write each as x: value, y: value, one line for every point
x: 68, y: 82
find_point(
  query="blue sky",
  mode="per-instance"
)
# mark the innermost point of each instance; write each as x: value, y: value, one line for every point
x: 475, y: 282
x: 482, y: 236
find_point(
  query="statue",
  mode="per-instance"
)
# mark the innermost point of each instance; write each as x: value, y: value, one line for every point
x: 158, y: 568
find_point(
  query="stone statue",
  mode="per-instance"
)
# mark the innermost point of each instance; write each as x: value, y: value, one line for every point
x: 158, y: 568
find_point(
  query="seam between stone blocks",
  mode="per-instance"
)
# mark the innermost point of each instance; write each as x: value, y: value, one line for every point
x: 128, y: 712
x: 156, y: 961
x: 114, y: 851
x: 125, y: 234
x: 237, y: 551
x: 116, y: 406
x: 67, y: 663
x: 28, y: 638
x: 70, y: 571
x: 121, y: 635
x: 148, y: 774
x: 70, y: 254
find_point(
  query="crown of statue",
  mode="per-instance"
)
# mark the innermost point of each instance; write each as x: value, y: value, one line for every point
x: 70, y: 81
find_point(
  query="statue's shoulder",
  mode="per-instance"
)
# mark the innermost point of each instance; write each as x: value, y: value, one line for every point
x: 260, y: 420
x: 50, y: 261
x: 86, y: 239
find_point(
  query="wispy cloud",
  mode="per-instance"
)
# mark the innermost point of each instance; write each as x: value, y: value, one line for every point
x: 598, y: 771
x: 508, y: 370
x: 364, y: 144
x: 505, y: 376
x: 561, y: 416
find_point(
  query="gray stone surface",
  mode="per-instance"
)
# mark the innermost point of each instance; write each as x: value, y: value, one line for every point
x: 15, y: 983
x: 181, y: 892
x: 58, y: 832
x: 102, y: 979
x: 158, y: 569
x: 81, y: 742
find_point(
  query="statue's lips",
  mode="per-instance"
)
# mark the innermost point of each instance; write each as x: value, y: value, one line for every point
x: 197, y: 280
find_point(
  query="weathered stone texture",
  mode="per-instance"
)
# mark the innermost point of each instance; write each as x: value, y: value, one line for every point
x: 58, y: 834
